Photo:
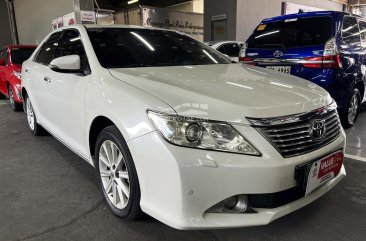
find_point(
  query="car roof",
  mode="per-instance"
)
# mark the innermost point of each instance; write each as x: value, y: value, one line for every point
x: 305, y: 14
x: 219, y: 43
x: 122, y: 26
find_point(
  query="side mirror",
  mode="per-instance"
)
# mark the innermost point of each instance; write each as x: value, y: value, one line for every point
x: 2, y: 62
x: 66, y: 64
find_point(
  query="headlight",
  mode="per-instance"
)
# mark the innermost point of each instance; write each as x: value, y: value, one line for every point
x: 202, y: 134
x: 17, y: 74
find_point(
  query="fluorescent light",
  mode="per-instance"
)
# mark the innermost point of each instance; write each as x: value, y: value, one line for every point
x: 265, y: 34
x: 147, y: 44
x: 239, y: 85
x: 209, y: 55
x: 74, y: 39
x: 132, y: 1
x: 282, y: 85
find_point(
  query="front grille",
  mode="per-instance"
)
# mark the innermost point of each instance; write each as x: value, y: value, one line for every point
x: 296, y: 137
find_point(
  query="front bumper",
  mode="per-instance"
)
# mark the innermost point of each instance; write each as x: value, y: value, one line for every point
x: 178, y: 185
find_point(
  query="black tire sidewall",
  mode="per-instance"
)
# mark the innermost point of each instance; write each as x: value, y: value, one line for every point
x: 131, y: 211
x: 16, y: 107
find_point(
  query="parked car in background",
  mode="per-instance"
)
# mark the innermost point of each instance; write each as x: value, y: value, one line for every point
x: 327, y: 48
x: 11, y: 59
x: 177, y: 131
x: 230, y: 48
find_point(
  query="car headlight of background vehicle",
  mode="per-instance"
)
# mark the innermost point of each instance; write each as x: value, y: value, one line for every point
x: 202, y: 134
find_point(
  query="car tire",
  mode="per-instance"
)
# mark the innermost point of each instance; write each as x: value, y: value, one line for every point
x: 352, y: 109
x: 34, y: 127
x: 13, y: 104
x: 117, y: 174
x: 2, y: 96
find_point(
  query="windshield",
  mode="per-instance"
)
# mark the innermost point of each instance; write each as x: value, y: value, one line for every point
x: 19, y: 55
x: 292, y: 33
x: 128, y: 47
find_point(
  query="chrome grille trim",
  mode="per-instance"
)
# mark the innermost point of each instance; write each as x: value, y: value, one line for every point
x: 295, y: 137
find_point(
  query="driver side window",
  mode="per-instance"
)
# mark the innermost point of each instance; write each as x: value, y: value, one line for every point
x: 46, y: 53
x: 71, y: 44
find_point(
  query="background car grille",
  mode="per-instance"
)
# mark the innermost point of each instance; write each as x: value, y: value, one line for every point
x: 296, y: 139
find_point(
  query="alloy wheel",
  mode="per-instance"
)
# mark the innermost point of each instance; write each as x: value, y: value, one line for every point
x: 30, y: 114
x: 114, y: 174
x: 353, y: 108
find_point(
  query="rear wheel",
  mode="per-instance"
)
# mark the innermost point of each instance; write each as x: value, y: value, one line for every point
x: 117, y: 174
x: 14, y: 105
x: 34, y: 127
x: 350, y: 113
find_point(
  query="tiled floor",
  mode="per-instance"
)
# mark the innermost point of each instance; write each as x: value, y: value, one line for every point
x: 356, y: 136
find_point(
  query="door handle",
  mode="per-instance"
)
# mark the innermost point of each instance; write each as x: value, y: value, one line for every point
x: 47, y: 79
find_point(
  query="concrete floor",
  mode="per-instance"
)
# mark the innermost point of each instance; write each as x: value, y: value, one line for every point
x: 49, y: 193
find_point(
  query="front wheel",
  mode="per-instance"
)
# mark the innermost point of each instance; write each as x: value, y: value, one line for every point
x: 351, y: 111
x: 15, y: 106
x: 34, y: 127
x: 117, y: 174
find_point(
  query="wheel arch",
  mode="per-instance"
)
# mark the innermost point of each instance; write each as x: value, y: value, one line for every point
x: 361, y: 87
x: 24, y: 92
x: 97, y: 125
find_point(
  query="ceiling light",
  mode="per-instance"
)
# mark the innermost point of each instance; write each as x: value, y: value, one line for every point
x: 132, y: 1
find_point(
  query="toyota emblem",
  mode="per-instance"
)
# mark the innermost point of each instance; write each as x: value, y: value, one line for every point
x: 277, y: 54
x: 318, y: 130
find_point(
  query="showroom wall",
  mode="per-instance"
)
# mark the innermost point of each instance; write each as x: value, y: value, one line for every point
x: 5, y: 34
x: 34, y: 17
x: 217, y: 7
x: 249, y: 15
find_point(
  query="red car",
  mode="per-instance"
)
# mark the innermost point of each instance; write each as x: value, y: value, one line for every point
x: 11, y: 59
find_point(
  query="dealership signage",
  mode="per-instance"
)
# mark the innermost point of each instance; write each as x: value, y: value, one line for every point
x: 186, y: 22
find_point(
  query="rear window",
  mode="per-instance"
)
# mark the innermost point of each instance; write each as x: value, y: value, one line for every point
x: 19, y: 55
x: 292, y: 33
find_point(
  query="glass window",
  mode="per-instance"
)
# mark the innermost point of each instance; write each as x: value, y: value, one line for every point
x: 232, y: 49
x: 6, y: 57
x: 292, y: 33
x: 362, y: 25
x: 47, y: 51
x: 221, y: 49
x: 71, y: 44
x: 350, y: 32
x: 2, y: 54
x: 129, y: 47
x: 19, y: 55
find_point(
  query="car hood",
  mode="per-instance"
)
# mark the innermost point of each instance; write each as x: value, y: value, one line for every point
x: 227, y: 92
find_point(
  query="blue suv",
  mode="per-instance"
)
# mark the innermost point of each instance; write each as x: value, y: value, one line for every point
x: 327, y: 48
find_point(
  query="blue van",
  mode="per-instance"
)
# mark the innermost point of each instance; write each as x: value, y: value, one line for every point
x: 327, y: 48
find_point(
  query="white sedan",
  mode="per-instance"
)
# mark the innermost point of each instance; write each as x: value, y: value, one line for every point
x: 178, y: 132
x: 229, y: 48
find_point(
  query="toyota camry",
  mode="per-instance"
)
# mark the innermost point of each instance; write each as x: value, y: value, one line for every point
x: 176, y: 131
